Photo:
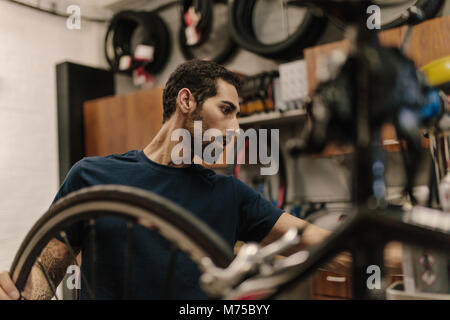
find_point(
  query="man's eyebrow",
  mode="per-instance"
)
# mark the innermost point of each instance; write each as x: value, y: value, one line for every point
x: 231, y: 104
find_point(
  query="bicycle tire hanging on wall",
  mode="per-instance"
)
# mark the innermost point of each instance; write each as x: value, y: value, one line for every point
x: 127, y: 30
x: 208, y: 37
x: 394, y: 16
x: 252, y: 30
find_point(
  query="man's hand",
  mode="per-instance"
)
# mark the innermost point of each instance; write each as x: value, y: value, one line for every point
x: 313, y: 235
x: 8, y: 290
x: 55, y: 259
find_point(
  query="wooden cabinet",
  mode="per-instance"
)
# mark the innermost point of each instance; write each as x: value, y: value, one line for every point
x: 326, y: 285
x: 122, y: 123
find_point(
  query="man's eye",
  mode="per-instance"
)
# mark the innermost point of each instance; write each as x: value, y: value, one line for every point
x: 226, y: 110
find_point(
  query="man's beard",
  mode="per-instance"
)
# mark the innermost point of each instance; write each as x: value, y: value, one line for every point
x: 189, y: 125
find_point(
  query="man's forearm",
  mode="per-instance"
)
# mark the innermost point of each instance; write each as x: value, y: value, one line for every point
x: 40, y: 289
x: 343, y: 262
x: 54, y: 260
x: 313, y: 235
x: 392, y: 261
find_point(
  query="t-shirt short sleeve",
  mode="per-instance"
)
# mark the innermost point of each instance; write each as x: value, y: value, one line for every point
x: 257, y: 215
x: 73, y: 182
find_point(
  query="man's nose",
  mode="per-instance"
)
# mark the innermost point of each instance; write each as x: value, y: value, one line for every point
x: 232, y: 125
x: 236, y: 126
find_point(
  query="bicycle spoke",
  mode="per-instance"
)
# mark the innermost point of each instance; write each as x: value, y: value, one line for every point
x: 47, y: 277
x: 22, y: 297
x: 170, y: 271
x: 284, y: 18
x: 93, y: 245
x: 74, y: 258
x: 128, y: 257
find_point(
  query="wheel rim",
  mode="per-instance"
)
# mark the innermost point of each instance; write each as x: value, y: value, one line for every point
x: 180, y: 227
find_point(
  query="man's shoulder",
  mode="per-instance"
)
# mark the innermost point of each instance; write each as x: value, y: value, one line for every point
x: 220, y: 177
x: 230, y: 178
x: 240, y: 188
x: 95, y: 165
x: 96, y: 170
x: 112, y: 159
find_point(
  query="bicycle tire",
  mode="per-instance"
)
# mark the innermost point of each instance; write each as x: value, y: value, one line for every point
x: 175, y: 223
x: 205, y: 23
x: 156, y: 34
x: 193, y: 52
x: 307, y: 33
x: 430, y: 9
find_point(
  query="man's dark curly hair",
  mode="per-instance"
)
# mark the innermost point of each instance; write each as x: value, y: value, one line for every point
x: 200, y: 77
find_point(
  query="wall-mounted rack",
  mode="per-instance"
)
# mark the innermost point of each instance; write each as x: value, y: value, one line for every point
x: 273, y: 117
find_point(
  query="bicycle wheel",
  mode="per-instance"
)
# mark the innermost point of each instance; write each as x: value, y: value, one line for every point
x: 216, y: 43
x: 392, y: 17
x: 203, y: 27
x: 131, y: 28
x: 274, y: 29
x: 136, y: 206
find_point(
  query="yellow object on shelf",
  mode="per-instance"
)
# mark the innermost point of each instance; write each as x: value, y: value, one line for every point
x: 438, y: 72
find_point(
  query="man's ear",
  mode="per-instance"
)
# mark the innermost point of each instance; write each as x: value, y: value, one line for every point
x: 185, y: 101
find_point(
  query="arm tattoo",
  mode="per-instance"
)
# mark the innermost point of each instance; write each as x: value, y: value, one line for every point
x: 55, y: 259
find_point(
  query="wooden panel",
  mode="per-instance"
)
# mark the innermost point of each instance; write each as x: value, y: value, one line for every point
x: 314, y: 55
x: 429, y: 41
x: 122, y: 123
x: 327, y: 285
x: 330, y: 284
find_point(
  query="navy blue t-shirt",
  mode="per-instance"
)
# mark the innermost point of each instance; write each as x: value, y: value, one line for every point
x: 230, y: 207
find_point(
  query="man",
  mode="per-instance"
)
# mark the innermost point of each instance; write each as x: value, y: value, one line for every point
x: 196, y: 90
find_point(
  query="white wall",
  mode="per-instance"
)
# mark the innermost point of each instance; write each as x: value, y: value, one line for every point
x: 31, y: 44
